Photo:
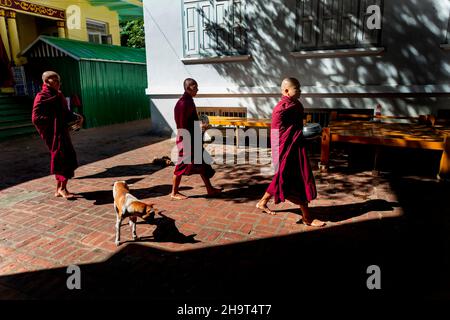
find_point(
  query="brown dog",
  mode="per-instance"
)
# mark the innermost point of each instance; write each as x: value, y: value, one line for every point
x: 127, y: 205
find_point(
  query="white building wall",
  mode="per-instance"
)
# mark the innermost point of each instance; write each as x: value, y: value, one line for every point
x: 410, y: 77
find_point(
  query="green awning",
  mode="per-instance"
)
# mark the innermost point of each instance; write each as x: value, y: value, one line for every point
x: 46, y: 46
x: 125, y: 8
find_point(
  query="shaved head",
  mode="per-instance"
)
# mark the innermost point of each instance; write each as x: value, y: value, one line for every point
x: 287, y: 82
x: 190, y: 86
x: 290, y: 87
x: 187, y: 82
x: 50, y: 74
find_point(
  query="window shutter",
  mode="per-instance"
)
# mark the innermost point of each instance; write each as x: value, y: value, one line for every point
x: 223, y: 24
x: 191, y: 36
x: 328, y: 17
x: 367, y: 36
x: 206, y: 26
x: 447, y: 37
x: 307, y: 23
x: 348, y: 24
x: 239, y: 41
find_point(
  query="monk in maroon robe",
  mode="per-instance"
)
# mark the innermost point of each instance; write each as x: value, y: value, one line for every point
x: 293, y: 180
x: 51, y: 117
x: 189, y: 143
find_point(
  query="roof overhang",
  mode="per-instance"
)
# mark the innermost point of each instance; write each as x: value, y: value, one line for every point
x: 44, y: 47
x: 125, y: 8
x: 48, y: 43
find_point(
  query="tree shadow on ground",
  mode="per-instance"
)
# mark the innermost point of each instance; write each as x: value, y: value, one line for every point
x: 125, y: 171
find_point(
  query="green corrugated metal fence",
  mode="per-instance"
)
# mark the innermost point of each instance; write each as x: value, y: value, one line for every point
x: 109, y: 80
x: 113, y: 92
x: 66, y: 67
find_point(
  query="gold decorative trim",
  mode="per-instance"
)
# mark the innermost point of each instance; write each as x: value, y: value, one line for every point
x: 10, y: 14
x: 33, y: 8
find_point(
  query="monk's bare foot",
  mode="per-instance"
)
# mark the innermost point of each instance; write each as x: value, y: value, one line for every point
x: 265, y: 208
x: 66, y: 194
x: 178, y: 196
x: 214, y: 191
x: 314, y: 223
x: 57, y: 194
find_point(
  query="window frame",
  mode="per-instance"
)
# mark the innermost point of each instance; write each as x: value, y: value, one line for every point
x: 359, y: 31
x: 193, y: 22
x: 97, y: 33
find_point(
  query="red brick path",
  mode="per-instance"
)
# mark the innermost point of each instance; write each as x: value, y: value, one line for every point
x: 39, y: 231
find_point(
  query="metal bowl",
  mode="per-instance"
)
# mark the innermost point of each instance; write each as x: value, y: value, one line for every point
x: 312, y: 131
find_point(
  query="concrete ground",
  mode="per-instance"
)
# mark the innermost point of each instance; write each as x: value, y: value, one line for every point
x: 218, y: 249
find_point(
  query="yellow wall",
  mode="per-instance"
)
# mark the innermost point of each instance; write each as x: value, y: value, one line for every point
x: 99, y: 13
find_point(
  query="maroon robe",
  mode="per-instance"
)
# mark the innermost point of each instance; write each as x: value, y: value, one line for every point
x: 185, y: 115
x: 293, y: 178
x: 50, y: 117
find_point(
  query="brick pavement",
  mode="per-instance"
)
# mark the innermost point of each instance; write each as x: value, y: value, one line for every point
x: 39, y: 232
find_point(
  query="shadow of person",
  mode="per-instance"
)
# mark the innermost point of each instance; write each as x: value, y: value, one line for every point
x: 346, y: 211
x: 125, y: 171
x: 101, y: 197
x: 156, y: 191
x: 238, y: 193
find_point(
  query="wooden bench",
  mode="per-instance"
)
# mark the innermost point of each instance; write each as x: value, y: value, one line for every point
x: 239, y: 112
x: 239, y: 123
x: 419, y: 132
x: 220, y: 116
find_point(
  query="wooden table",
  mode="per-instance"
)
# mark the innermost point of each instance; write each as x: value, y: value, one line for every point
x: 404, y: 135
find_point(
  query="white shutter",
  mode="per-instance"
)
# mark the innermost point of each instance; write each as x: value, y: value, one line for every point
x: 238, y: 26
x: 222, y: 13
x: 206, y: 26
x: 191, y: 35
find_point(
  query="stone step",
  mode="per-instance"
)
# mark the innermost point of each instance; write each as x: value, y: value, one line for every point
x: 15, y: 116
x: 17, y: 130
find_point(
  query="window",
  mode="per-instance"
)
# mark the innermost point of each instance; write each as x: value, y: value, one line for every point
x: 214, y: 28
x: 335, y: 24
x: 447, y: 38
x: 98, y: 32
